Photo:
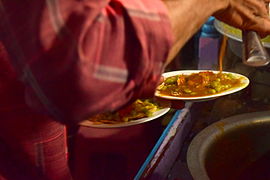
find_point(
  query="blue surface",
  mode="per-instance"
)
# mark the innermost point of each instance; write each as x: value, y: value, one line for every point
x: 208, y: 29
x: 157, y: 145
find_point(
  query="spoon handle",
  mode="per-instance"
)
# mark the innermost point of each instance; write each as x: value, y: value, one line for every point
x: 254, y: 53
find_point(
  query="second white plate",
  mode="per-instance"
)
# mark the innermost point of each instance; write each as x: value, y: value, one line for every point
x: 155, y: 115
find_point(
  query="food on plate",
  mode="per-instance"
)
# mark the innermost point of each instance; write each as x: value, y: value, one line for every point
x: 141, y: 108
x: 198, y: 84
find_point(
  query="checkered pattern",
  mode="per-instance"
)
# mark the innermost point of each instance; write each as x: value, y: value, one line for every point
x: 67, y: 60
x: 79, y: 58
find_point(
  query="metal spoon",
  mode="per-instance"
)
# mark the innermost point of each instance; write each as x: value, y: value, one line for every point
x: 254, y: 53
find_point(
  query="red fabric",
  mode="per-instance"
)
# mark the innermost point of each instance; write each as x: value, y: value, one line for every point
x: 32, y: 145
x: 85, y: 57
x: 115, y: 153
x: 72, y: 59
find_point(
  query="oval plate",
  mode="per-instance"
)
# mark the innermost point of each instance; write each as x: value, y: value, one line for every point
x: 244, y: 83
x: 156, y: 115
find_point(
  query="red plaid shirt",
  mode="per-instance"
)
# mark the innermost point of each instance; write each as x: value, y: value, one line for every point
x: 78, y: 58
x: 75, y: 58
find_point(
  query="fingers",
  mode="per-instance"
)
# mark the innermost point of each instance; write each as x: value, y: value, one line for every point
x: 161, y: 80
x: 257, y: 18
x: 265, y: 29
x: 268, y: 8
x: 258, y: 7
x: 251, y: 9
x: 248, y: 15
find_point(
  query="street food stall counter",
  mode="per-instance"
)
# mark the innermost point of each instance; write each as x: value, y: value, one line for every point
x: 243, y: 113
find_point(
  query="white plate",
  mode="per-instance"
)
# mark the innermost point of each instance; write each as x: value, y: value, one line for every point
x: 156, y: 115
x: 244, y: 83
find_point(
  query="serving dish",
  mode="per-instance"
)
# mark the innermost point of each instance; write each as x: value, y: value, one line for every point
x: 155, y: 115
x: 244, y: 81
x: 235, y: 148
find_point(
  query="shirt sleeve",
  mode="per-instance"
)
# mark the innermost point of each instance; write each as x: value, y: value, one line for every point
x: 94, y: 56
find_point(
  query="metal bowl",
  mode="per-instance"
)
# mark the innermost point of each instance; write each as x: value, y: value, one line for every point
x: 225, y: 149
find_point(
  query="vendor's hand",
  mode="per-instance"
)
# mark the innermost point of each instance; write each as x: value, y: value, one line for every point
x: 247, y: 15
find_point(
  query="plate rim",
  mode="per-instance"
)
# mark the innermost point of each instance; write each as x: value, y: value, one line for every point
x: 201, y: 98
x: 155, y: 115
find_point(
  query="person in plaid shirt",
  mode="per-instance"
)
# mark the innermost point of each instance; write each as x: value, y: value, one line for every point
x: 64, y: 60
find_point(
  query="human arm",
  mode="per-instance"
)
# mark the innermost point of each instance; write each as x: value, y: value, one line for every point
x: 80, y: 58
x: 187, y: 16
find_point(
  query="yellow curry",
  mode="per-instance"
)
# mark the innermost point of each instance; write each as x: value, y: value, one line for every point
x: 141, y: 108
x: 198, y: 84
